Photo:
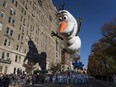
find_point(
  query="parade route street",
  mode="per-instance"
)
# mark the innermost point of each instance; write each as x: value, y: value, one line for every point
x: 91, y: 83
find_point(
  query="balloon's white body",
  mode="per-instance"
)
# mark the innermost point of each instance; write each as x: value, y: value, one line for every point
x: 72, y: 42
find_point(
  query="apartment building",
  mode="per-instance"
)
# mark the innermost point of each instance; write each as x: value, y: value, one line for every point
x: 21, y: 20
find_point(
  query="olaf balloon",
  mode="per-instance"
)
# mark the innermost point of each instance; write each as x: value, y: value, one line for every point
x: 68, y: 32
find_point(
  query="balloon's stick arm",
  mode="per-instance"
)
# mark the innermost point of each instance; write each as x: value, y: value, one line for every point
x: 56, y: 34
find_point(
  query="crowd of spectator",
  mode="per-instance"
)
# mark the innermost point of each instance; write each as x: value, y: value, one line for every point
x: 11, y: 80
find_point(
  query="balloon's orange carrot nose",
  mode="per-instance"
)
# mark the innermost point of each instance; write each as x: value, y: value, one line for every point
x: 63, y: 26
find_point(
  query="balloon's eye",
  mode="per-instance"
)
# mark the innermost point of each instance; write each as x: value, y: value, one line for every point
x: 60, y: 18
x: 65, y: 17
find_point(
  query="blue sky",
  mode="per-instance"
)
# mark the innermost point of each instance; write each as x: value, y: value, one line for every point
x: 95, y: 14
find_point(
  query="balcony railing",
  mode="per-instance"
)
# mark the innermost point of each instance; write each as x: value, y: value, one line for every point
x: 7, y: 61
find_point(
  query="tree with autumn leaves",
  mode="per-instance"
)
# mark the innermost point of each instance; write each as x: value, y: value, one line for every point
x: 102, y: 59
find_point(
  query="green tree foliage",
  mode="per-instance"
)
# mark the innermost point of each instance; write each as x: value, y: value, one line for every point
x: 102, y: 59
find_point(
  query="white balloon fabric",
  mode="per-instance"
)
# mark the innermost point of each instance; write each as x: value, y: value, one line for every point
x: 68, y: 29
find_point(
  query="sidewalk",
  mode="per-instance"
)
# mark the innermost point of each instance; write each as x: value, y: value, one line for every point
x: 111, y: 84
x: 106, y: 83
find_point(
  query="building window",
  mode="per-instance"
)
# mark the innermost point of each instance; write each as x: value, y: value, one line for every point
x: 25, y: 51
x: 7, y: 30
x: 30, y: 2
x: 15, y: 12
x: 5, y: 42
x: 21, y: 18
x: 9, y: 43
x: 14, y: 70
x: 19, y: 59
x: 19, y: 37
x: 40, y: 2
x: 7, y: 55
x: 24, y: 21
x: 0, y: 26
x: 3, y: 55
x: 26, y: 5
x: 16, y: 58
x: 50, y: 18
x: 27, y: 0
x: 22, y: 38
x: 11, y: 11
x: 1, y: 67
x: 22, y: 29
x: 20, y: 49
x: 11, y: 32
x: 63, y: 67
x: 56, y: 45
x: 2, y: 14
x: 17, y: 48
x: 25, y: 13
x: 23, y: 2
x: 9, y: 20
x: 33, y: 14
x: 5, y: 70
x: 28, y: 16
x: 13, y: 22
x: 15, y: 2
x: 5, y: 4
x: 22, y: 10
x: 27, y: 32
